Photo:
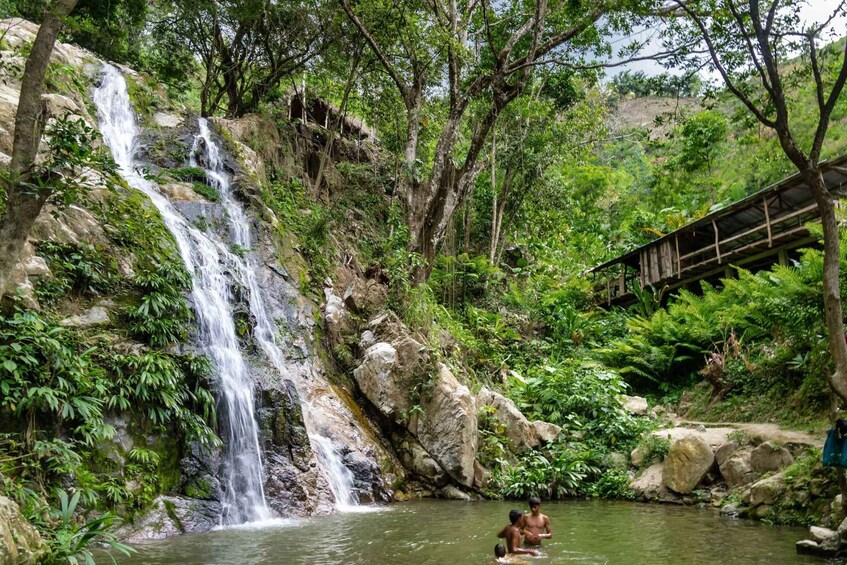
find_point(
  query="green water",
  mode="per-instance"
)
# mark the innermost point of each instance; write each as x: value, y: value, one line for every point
x: 585, y: 532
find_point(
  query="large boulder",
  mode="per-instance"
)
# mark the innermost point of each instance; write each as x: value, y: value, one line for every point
x: 518, y: 430
x: 736, y: 470
x: 767, y: 490
x: 19, y: 541
x: 389, y: 372
x: 687, y: 462
x: 725, y: 451
x: 650, y: 484
x: 449, y: 427
x: 768, y: 457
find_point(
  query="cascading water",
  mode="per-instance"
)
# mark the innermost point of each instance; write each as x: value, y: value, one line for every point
x: 208, y: 261
x: 340, y: 477
x: 264, y: 331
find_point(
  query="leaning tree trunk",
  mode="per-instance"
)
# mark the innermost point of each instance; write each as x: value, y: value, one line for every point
x: 831, y: 281
x: 23, y: 202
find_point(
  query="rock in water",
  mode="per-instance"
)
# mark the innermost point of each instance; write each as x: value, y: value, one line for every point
x: 688, y: 461
x: 19, y: 541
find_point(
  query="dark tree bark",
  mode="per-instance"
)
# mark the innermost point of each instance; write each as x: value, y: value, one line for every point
x: 23, y: 201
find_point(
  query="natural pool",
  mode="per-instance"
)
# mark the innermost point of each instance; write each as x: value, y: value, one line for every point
x: 444, y: 532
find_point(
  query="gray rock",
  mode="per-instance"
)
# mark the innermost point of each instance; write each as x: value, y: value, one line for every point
x: 650, y: 484
x: 165, y: 120
x: 689, y: 459
x: 820, y: 534
x: 730, y: 510
x: 449, y: 428
x: 767, y: 490
x: 725, y: 451
x: 418, y: 461
x: 94, y: 316
x: 452, y: 493
x: 638, y: 456
x: 481, y: 475
x: 519, y: 431
x: 635, y: 404
x: 737, y: 470
x: 810, y: 547
x: 546, y: 432
x: 170, y: 516
x: 19, y: 541
x: 769, y: 457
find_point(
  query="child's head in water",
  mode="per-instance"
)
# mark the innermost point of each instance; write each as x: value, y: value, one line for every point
x: 499, y: 551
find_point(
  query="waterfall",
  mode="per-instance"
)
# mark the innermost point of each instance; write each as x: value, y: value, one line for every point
x: 209, y: 261
x: 340, y: 477
x: 264, y: 331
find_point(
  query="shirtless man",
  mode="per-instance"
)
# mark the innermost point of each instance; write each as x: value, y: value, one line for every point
x: 513, y: 536
x: 535, y: 526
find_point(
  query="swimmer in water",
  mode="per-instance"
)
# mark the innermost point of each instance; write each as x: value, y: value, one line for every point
x: 513, y: 536
x: 534, y: 526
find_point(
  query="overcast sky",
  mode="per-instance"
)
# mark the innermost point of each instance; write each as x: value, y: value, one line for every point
x: 811, y: 11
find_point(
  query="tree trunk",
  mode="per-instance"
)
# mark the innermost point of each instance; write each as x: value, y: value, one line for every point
x: 22, y: 203
x: 492, y: 248
x: 831, y: 283
x: 338, y: 126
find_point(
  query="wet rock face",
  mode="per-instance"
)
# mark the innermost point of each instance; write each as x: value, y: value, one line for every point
x: 19, y: 541
x: 294, y: 485
x: 172, y: 516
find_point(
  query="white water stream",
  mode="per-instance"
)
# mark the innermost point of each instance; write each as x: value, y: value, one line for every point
x: 213, y: 267
x: 208, y: 261
x: 264, y: 331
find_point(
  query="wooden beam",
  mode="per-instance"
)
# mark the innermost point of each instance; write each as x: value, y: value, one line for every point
x: 768, y: 222
x: 678, y: 262
x: 717, y: 240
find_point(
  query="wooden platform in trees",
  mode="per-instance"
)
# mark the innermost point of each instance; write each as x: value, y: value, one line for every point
x: 754, y: 233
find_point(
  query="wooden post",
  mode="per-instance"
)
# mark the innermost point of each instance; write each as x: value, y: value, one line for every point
x: 717, y: 241
x: 608, y: 290
x: 678, y: 263
x: 783, y: 257
x: 622, y: 282
x: 768, y: 222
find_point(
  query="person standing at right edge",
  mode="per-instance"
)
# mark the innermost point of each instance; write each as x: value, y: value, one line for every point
x: 534, y: 526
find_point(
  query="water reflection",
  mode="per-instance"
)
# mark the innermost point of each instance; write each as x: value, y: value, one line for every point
x: 441, y: 532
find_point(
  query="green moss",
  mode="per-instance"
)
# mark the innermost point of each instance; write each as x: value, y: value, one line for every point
x: 170, y: 509
x: 201, y: 488
x: 209, y: 193
x: 188, y: 174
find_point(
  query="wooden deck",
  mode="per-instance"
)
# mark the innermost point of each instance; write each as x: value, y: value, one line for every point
x: 755, y: 232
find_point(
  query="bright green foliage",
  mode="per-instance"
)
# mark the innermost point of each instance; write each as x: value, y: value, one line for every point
x: 81, y: 271
x: 702, y: 137
x: 73, y: 542
x: 775, y: 316
x: 580, y: 397
x: 564, y: 472
x: 60, y: 387
x: 162, y: 316
x: 206, y: 191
